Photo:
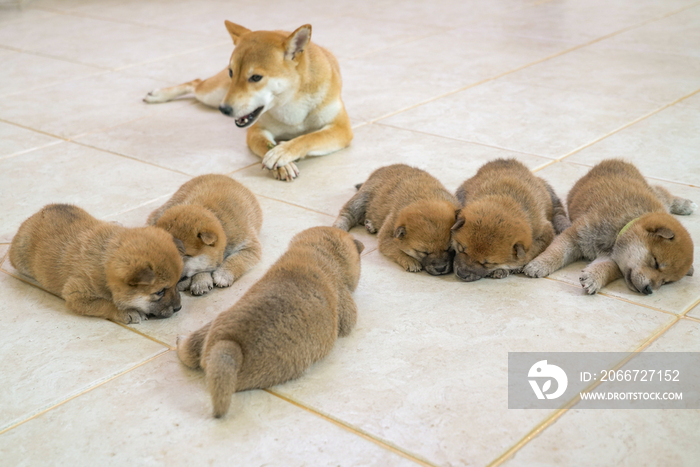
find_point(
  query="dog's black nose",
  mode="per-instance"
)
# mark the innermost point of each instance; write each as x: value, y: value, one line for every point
x: 226, y: 109
x: 178, y: 308
x: 442, y: 269
x: 647, y: 290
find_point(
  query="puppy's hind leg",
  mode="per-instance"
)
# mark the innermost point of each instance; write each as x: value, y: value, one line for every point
x: 674, y: 204
x: 347, y: 313
x: 222, y: 365
x: 353, y: 213
x: 189, y: 349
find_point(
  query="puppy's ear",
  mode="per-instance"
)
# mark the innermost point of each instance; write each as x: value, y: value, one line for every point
x: 400, y: 232
x: 296, y: 43
x: 235, y: 30
x: 142, y: 276
x: 459, y: 221
x: 690, y: 271
x: 209, y: 238
x: 519, y: 250
x: 359, y: 245
x: 663, y: 232
x: 180, y: 246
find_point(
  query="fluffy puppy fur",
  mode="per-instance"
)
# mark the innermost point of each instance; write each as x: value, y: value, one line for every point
x: 624, y: 225
x: 288, y: 320
x: 413, y: 213
x: 218, y: 221
x: 505, y: 221
x: 99, y: 268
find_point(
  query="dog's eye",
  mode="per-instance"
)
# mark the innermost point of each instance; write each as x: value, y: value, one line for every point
x: 230, y: 73
x: 160, y: 293
x: 255, y: 78
x: 656, y: 264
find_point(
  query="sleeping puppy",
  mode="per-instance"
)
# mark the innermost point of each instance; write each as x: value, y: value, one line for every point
x: 285, y: 322
x: 218, y: 221
x: 622, y: 224
x: 506, y: 220
x: 413, y: 213
x: 100, y: 268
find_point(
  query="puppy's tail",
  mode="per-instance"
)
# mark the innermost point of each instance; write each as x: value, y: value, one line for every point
x: 560, y: 220
x: 222, y: 367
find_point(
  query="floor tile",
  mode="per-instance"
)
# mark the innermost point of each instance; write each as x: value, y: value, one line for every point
x: 11, y: 14
x: 629, y: 74
x: 16, y: 140
x: 405, y: 75
x: 25, y: 72
x: 81, y: 106
x: 185, y: 67
x: 173, y: 426
x: 206, y: 141
x: 96, y: 42
x: 532, y: 119
x: 665, y: 145
x: 587, y: 437
x: 675, y: 297
x: 693, y: 313
x: 99, y: 182
x: 327, y: 182
x: 54, y: 354
x: 443, y: 395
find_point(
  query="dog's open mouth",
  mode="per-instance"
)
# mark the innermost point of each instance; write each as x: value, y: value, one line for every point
x: 248, y: 119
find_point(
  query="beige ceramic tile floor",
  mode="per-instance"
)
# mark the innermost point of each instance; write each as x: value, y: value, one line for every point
x: 444, y: 85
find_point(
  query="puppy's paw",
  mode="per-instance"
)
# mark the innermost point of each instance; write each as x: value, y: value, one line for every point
x: 184, y: 284
x: 132, y: 317
x: 370, y: 227
x: 589, y: 282
x: 279, y: 156
x: 286, y: 173
x: 410, y: 264
x: 223, y: 277
x: 683, y: 207
x: 156, y: 97
x: 201, y: 283
x: 537, y: 269
x: 499, y: 273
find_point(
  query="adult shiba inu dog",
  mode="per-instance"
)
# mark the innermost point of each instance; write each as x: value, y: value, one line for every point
x: 413, y: 213
x: 218, y: 221
x: 100, y: 268
x: 508, y: 217
x: 285, y: 322
x: 622, y: 224
x: 284, y: 89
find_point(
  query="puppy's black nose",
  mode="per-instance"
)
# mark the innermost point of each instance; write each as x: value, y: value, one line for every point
x: 647, y: 290
x: 442, y: 269
x: 226, y: 109
x: 177, y: 308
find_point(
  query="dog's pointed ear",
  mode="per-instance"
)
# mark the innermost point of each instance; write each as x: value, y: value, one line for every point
x: 180, y: 246
x: 400, y: 232
x: 690, y: 271
x: 208, y: 238
x: 235, y: 30
x: 360, y: 246
x: 519, y: 250
x: 663, y: 232
x: 296, y: 43
x: 459, y: 221
x: 142, y: 276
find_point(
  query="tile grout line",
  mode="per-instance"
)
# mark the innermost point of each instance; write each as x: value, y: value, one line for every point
x: 549, y: 421
x: 82, y: 391
x: 357, y: 431
x: 627, y: 125
x: 690, y: 308
x: 691, y: 319
x: 292, y: 204
x: 136, y: 331
x: 536, y: 62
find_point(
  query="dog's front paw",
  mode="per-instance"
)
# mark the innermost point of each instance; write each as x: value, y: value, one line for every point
x: 286, y: 173
x: 589, y: 282
x: 499, y: 273
x: 131, y: 317
x: 223, y: 277
x: 201, y: 283
x: 184, y: 284
x: 410, y: 264
x: 537, y: 268
x: 683, y: 207
x: 279, y: 155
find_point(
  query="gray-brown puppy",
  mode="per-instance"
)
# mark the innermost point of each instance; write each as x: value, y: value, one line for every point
x: 413, y: 213
x: 218, y: 221
x: 624, y: 225
x: 285, y: 322
x: 100, y: 268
